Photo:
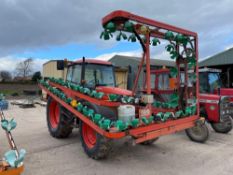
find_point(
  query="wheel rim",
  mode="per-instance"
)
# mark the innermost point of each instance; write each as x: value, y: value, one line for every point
x: 197, y: 130
x: 226, y: 123
x: 54, y: 114
x: 89, y: 135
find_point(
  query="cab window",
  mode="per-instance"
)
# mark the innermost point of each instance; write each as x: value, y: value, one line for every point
x: 76, y: 78
x: 69, y: 74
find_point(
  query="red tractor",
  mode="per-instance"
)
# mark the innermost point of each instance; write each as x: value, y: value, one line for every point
x: 216, y: 102
x: 90, y: 100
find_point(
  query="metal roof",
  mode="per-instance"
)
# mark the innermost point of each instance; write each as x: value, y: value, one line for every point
x: 222, y: 58
x: 132, y: 60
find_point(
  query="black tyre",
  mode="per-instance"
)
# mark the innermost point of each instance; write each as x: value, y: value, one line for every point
x: 149, y: 142
x: 223, y: 127
x: 58, y: 124
x: 95, y: 145
x: 198, y: 133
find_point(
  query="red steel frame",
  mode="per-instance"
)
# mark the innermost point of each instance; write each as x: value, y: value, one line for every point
x: 141, y: 133
x: 120, y: 15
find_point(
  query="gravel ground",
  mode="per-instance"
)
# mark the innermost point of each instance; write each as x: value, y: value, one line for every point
x: 172, y: 154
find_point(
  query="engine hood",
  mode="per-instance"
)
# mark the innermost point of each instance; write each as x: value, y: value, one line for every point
x: 114, y: 90
x: 226, y: 91
x: 209, y: 97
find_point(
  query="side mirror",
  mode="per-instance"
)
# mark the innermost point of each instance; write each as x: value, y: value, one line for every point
x: 60, y: 64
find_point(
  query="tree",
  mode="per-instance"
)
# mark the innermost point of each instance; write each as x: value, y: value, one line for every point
x: 36, y: 76
x: 5, y: 75
x: 24, y: 68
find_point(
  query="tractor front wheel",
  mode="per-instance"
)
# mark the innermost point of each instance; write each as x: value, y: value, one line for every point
x: 198, y: 133
x: 224, y: 126
x: 95, y: 145
x: 58, y: 125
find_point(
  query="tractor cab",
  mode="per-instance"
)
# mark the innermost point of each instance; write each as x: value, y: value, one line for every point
x: 210, y: 80
x: 94, y: 74
x: 91, y: 73
x: 162, y: 84
x: 216, y: 102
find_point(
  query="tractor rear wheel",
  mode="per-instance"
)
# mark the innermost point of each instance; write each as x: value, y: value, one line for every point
x: 95, y: 145
x: 198, y: 133
x: 223, y: 127
x: 57, y: 124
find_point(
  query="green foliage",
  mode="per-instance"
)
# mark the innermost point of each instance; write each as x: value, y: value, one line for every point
x: 132, y: 38
x: 121, y: 125
x: 191, y: 62
x: 8, y: 125
x: 134, y: 123
x: 155, y: 41
x: 170, y: 48
x: 121, y: 36
x: 106, y: 35
x: 147, y: 121
x: 179, y: 114
x: 105, y: 124
x: 169, y: 35
x: 173, y: 72
x: 113, y: 97
x: 129, y: 26
x: 111, y: 27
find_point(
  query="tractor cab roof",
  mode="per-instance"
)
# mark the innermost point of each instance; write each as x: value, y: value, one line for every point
x: 93, y: 61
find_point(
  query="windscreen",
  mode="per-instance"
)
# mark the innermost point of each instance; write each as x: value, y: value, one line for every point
x: 214, y: 81
x: 209, y: 82
x: 99, y: 75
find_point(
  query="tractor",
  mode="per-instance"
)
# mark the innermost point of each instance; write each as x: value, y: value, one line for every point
x: 216, y: 104
x: 89, y: 99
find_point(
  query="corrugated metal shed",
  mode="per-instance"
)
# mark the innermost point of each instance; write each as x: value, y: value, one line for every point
x: 50, y: 70
x: 125, y: 61
x: 222, y: 58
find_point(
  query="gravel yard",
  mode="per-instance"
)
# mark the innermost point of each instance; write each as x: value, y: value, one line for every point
x: 172, y: 154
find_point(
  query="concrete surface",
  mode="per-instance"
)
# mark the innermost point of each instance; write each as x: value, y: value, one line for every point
x: 173, y: 154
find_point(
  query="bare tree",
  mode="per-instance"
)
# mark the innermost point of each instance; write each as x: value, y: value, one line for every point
x: 5, y: 75
x: 24, y: 68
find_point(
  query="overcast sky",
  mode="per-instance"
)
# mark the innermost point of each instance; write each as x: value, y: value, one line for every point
x: 54, y: 29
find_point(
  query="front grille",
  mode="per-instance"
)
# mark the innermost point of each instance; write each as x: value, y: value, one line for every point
x: 226, y: 108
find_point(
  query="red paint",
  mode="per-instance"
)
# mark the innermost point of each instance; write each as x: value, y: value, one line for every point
x: 138, y: 73
x: 113, y: 90
x: 89, y: 135
x: 123, y: 15
x: 226, y: 91
x: 75, y: 94
x: 156, y: 89
x: 132, y: 132
x: 170, y: 126
x: 54, y: 114
x: 211, y: 108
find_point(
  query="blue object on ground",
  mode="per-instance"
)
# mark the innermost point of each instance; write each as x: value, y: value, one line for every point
x: 4, y: 104
x: 8, y: 125
x: 11, y: 158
